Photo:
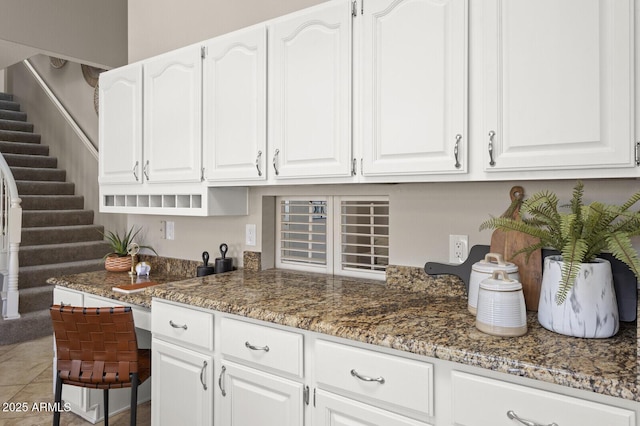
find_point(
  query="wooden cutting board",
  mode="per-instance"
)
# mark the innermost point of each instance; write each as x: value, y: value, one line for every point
x: 508, y: 243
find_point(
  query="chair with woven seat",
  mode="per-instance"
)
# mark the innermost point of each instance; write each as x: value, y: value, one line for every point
x: 97, y: 348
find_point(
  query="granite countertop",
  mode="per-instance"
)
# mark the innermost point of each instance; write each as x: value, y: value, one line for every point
x: 434, y: 324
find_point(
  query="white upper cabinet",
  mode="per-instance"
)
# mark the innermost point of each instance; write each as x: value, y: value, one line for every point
x: 414, y: 86
x: 234, y: 106
x: 310, y: 92
x: 558, y: 84
x: 120, y: 138
x: 173, y: 116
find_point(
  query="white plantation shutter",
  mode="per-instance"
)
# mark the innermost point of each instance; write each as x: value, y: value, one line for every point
x: 302, y: 234
x: 307, y: 229
x: 364, y: 236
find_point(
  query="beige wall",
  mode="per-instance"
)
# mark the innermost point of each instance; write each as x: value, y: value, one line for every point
x: 157, y: 26
x: 422, y: 216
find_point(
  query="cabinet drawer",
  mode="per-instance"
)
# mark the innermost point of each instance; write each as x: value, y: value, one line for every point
x: 393, y: 381
x: 62, y: 296
x: 141, y: 316
x: 481, y: 401
x: 182, y: 324
x: 263, y: 346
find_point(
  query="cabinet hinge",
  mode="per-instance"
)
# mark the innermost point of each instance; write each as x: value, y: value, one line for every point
x: 203, y: 51
x: 637, y: 153
x: 305, y: 395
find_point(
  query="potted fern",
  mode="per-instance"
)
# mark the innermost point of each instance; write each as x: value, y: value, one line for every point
x: 577, y: 294
x: 118, y: 259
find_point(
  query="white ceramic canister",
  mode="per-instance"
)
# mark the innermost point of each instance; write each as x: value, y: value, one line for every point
x: 501, y: 308
x: 484, y: 269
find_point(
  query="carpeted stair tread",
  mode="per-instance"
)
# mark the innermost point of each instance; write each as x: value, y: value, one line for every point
x: 13, y: 115
x: 37, y: 275
x: 36, y: 187
x: 27, y: 160
x: 39, y: 173
x: 13, y: 136
x: 29, y: 326
x: 36, y: 218
x: 23, y: 148
x: 61, y: 234
x: 52, y: 202
x: 56, y: 253
x: 6, y: 96
x: 9, y: 105
x: 16, y: 125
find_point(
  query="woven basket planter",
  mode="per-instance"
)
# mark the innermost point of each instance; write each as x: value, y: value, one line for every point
x: 117, y: 263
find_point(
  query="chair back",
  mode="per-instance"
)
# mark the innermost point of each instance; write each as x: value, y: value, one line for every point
x: 95, y: 346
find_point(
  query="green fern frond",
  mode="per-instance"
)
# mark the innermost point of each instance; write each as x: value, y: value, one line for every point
x: 573, y: 256
x: 619, y: 244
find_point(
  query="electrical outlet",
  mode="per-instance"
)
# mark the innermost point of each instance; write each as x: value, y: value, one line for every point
x: 170, y: 230
x: 458, y: 248
x: 250, y: 234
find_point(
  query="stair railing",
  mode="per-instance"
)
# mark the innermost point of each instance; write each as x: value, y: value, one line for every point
x: 10, y: 237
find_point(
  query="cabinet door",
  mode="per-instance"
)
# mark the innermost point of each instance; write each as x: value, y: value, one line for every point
x: 414, y: 87
x: 558, y: 84
x: 310, y: 92
x: 334, y: 410
x: 120, y: 133
x: 235, y: 102
x: 251, y: 397
x: 182, y: 386
x: 173, y: 116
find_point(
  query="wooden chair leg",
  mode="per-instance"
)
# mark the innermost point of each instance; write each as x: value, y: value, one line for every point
x: 106, y: 407
x: 134, y: 398
x: 57, y: 400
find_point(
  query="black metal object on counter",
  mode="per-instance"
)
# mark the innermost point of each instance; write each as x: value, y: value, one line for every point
x: 205, y: 269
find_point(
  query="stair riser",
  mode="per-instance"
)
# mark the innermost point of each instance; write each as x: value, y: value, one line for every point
x: 9, y: 105
x: 11, y: 136
x: 46, y: 255
x: 23, y: 148
x: 27, y: 327
x: 36, y: 161
x: 36, y: 301
x: 38, y: 236
x: 46, y: 202
x: 28, y: 173
x: 36, y: 219
x: 36, y: 276
x: 45, y: 188
x: 16, y: 125
x: 13, y: 115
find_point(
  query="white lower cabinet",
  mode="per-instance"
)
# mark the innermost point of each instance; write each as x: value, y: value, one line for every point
x: 253, y: 397
x: 479, y: 401
x: 335, y: 410
x: 183, y: 386
x: 271, y: 375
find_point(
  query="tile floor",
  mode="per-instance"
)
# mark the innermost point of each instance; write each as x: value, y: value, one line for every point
x: 26, y: 376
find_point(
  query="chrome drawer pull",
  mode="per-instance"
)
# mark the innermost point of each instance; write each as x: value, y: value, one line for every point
x: 380, y: 380
x: 135, y: 170
x: 221, y: 381
x: 256, y: 348
x: 456, y: 151
x: 514, y: 416
x: 174, y: 325
x: 275, y: 161
x: 492, y: 135
x: 204, y: 366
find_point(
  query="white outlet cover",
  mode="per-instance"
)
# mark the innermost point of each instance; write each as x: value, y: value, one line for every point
x: 250, y: 234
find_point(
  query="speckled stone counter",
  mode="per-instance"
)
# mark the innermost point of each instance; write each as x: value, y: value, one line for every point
x: 430, y: 323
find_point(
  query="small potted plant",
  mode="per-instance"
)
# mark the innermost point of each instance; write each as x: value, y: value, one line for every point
x: 577, y: 295
x: 119, y: 259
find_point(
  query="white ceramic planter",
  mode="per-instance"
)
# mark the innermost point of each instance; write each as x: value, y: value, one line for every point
x: 590, y: 309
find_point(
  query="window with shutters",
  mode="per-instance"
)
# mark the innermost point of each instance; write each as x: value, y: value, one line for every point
x: 336, y: 235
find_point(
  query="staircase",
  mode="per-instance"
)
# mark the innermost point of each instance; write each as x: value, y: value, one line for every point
x: 58, y: 235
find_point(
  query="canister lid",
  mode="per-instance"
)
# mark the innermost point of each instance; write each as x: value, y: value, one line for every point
x: 494, y: 262
x: 500, y: 281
